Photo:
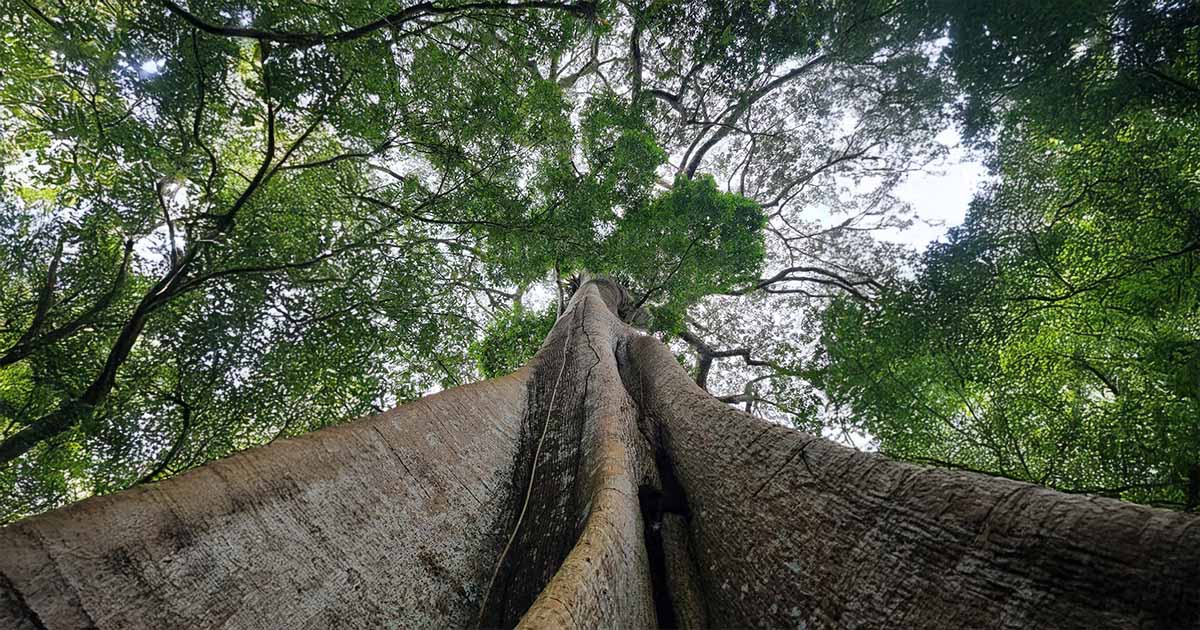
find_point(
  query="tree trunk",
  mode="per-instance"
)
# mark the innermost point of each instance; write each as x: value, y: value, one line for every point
x: 596, y: 486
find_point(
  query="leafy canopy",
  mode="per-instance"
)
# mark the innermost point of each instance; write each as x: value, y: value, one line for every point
x: 690, y: 242
x: 1054, y: 337
x: 223, y: 225
x: 511, y: 340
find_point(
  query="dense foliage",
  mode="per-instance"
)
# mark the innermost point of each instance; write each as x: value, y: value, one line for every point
x: 225, y: 223
x: 1055, y: 337
x: 511, y: 339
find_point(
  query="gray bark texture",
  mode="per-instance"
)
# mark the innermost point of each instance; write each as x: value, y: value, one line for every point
x: 596, y: 487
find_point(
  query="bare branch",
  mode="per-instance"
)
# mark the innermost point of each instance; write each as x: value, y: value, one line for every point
x: 692, y: 160
x: 826, y: 277
x: 707, y: 354
x: 171, y: 249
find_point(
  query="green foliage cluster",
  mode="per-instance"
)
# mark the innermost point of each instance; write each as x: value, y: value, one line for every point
x: 740, y: 35
x: 574, y: 206
x: 690, y: 242
x: 511, y: 340
x: 1072, y: 64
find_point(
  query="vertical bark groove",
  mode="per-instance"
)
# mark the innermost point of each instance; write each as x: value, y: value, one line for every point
x: 577, y: 559
x: 687, y: 599
x: 650, y: 498
x: 497, y: 614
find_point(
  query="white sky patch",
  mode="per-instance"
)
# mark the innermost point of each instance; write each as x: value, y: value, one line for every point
x: 150, y: 251
x: 852, y: 438
x: 151, y: 67
x: 939, y: 194
x: 541, y: 295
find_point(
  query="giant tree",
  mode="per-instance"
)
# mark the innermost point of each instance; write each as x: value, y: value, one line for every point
x: 597, y: 485
x: 255, y: 219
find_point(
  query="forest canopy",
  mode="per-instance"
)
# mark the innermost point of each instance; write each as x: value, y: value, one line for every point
x: 222, y: 224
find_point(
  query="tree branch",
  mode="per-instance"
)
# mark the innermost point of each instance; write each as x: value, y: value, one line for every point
x: 726, y: 122
x: 849, y: 285
x: 28, y: 344
x: 185, y: 410
x: 45, y: 297
x: 707, y: 354
x: 391, y: 21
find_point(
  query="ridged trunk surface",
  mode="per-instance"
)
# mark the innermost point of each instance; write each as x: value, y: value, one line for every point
x: 598, y: 486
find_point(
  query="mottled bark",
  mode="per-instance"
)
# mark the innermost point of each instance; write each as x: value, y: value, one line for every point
x: 598, y: 486
x: 389, y: 518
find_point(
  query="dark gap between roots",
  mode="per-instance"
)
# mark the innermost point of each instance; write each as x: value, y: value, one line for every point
x: 650, y: 500
x: 654, y: 503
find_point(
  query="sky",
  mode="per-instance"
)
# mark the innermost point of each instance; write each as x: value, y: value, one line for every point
x: 939, y: 194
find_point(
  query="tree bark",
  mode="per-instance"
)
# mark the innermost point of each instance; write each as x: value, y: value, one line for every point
x: 597, y: 486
